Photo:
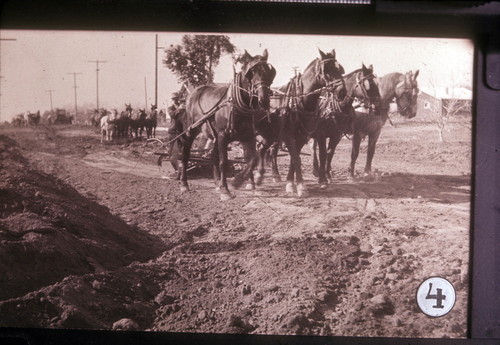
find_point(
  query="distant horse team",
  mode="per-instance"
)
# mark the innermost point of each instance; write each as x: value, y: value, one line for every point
x: 323, y: 104
x: 127, y: 124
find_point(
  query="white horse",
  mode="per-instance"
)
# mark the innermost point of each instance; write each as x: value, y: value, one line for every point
x: 108, y: 126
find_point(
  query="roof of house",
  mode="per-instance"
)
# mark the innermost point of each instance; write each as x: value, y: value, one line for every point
x: 448, y: 92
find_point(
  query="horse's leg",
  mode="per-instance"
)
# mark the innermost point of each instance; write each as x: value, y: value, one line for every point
x: 251, y: 160
x: 222, y: 143
x: 261, y: 163
x: 356, y: 142
x: 321, y: 142
x: 372, y: 142
x: 332, y: 145
x: 214, y: 157
x: 290, y: 177
x: 315, y: 158
x: 275, y: 147
x: 186, y: 152
x: 301, y: 187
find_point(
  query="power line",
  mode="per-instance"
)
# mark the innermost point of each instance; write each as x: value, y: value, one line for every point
x: 51, y: 106
x: 97, y: 62
x: 156, y: 70
x: 75, y: 87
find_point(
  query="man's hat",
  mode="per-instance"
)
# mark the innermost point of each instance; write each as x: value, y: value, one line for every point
x: 175, y: 95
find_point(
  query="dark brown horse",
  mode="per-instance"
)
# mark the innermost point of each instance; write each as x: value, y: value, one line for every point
x: 403, y: 88
x: 151, y: 122
x: 299, y: 110
x: 231, y: 112
x: 137, y: 122
x: 123, y: 122
x: 336, y: 121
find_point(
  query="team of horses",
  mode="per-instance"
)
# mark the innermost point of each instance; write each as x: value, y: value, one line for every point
x: 127, y: 124
x: 322, y: 103
x: 26, y: 119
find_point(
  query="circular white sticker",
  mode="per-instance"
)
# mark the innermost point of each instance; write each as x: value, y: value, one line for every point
x: 436, y: 297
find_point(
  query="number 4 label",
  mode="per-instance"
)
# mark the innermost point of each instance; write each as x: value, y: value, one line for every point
x: 436, y: 297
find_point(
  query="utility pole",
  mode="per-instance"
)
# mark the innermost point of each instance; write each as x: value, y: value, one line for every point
x: 97, y: 62
x: 156, y: 70
x: 145, y: 94
x: 51, y: 106
x: 2, y: 77
x: 75, y: 87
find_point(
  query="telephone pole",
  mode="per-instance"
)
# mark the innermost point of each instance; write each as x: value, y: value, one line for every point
x: 156, y: 70
x: 2, y: 77
x: 75, y: 87
x: 97, y: 62
x: 51, y: 106
x: 145, y: 94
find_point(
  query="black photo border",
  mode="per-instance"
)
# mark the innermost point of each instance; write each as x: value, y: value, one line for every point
x: 476, y: 20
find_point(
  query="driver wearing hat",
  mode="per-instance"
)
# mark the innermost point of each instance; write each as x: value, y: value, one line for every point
x: 177, y: 108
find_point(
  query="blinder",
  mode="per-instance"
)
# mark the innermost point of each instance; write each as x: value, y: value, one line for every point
x: 265, y: 84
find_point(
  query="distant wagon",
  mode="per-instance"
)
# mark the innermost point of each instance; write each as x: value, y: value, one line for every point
x: 61, y: 117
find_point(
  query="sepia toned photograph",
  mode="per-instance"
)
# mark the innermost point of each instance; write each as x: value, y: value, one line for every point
x: 269, y: 184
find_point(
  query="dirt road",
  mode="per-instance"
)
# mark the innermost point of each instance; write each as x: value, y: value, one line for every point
x: 92, y: 234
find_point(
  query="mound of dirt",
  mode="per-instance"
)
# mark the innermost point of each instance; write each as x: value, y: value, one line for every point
x: 49, y: 231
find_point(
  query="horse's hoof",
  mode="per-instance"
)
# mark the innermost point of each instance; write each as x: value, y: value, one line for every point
x: 276, y: 179
x: 226, y: 196
x: 258, y: 177
x: 184, y: 189
x: 249, y: 186
x: 323, y: 185
x: 217, y: 189
x: 289, y: 187
x: 301, y: 191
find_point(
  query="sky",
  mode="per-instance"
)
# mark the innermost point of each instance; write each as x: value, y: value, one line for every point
x: 36, y: 67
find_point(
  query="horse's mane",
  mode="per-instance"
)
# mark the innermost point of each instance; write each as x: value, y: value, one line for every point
x: 311, y: 63
x: 390, y: 79
x: 387, y: 84
x: 348, y: 75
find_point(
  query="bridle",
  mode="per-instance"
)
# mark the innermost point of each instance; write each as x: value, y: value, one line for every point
x: 254, y: 88
x: 321, y: 75
x: 408, y: 90
x: 367, y: 100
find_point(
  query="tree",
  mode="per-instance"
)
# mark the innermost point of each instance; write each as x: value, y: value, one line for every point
x: 193, y: 61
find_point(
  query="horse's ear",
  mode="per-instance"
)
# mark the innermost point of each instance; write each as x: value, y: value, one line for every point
x: 416, y: 74
x: 370, y: 67
x: 323, y: 55
x: 341, y: 69
x: 333, y: 53
x: 272, y: 74
x: 265, y: 55
x: 246, y: 56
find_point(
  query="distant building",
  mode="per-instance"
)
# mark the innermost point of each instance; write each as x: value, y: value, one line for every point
x: 454, y: 101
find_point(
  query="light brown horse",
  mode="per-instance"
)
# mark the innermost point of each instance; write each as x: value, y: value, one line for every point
x: 403, y: 88
x: 231, y: 112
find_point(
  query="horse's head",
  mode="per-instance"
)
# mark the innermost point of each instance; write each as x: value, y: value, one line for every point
x: 407, y: 94
x: 329, y: 74
x: 367, y: 89
x: 128, y: 107
x: 258, y: 75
